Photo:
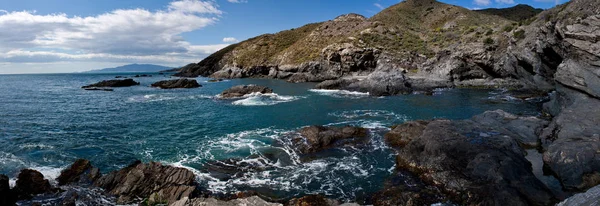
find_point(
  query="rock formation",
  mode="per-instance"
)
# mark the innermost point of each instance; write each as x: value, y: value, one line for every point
x: 177, y: 83
x: 241, y: 90
x: 113, y: 83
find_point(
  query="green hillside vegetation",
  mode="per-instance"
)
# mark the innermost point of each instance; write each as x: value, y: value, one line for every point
x: 422, y: 27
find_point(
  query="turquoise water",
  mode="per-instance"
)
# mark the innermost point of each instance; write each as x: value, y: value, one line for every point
x: 47, y: 121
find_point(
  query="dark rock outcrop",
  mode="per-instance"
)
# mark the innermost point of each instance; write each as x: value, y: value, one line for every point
x: 31, y: 183
x: 312, y: 200
x: 589, y: 198
x: 113, y: 83
x: 379, y: 83
x: 177, y: 83
x: 6, y: 195
x: 572, y: 140
x: 241, y: 90
x: 153, y: 180
x: 248, y: 201
x: 473, y: 162
x: 401, y: 135
x: 404, y: 188
x: 316, y: 138
x: 80, y: 172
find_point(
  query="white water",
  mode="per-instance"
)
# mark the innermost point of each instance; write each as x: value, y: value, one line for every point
x: 259, y: 99
x: 340, y: 93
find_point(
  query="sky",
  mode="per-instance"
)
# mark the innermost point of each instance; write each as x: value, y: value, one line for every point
x: 62, y: 36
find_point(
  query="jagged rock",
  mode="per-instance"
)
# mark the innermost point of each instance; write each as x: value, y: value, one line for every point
x: 474, y: 163
x: 316, y: 138
x: 113, y: 83
x: 231, y: 168
x: 152, y: 180
x: 401, y: 135
x: 249, y: 201
x: 80, y: 172
x: 241, y: 90
x: 404, y: 188
x: 336, y: 84
x: 6, y: 195
x: 30, y: 183
x: 526, y: 130
x: 589, y: 198
x: 312, y: 200
x: 572, y: 140
x: 177, y: 83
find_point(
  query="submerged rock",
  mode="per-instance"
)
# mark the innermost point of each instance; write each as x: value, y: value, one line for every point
x: 475, y: 163
x: 30, y: 183
x: 317, y: 138
x: 80, y: 172
x: 154, y: 181
x: 249, y: 201
x: 113, y: 83
x: 241, y: 90
x: 177, y: 83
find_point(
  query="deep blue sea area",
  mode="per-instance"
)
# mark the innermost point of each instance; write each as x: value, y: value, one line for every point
x: 47, y: 121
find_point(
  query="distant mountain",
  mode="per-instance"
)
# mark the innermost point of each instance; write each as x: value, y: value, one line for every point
x: 133, y: 68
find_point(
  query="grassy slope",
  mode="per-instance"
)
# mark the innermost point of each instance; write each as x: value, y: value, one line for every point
x: 413, y: 26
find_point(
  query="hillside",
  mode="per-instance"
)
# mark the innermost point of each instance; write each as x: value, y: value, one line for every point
x: 406, y: 35
x: 133, y: 68
x: 518, y: 13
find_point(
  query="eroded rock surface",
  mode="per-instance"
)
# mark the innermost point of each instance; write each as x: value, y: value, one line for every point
x: 241, y: 90
x: 177, y: 83
x: 113, y: 83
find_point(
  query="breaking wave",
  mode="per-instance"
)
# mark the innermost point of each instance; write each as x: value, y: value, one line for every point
x: 340, y: 93
x: 259, y: 99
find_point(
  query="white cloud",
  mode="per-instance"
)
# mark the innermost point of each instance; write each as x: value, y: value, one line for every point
x: 237, y: 1
x: 131, y: 34
x: 557, y: 2
x: 482, y: 2
x: 379, y: 6
x: 505, y: 1
x: 230, y: 40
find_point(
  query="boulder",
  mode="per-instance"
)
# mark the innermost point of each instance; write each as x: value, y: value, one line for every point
x: 113, y: 83
x: 153, y: 180
x: 241, y: 90
x: 177, y: 83
x: 475, y: 164
x: 335, y: 84
x: 6, y: 195
x: 316, y: 138
x: 589, y: 198
x: 525, y: 129
x: 31, y: 183
x: 80, y: 172
x: 249, y: 201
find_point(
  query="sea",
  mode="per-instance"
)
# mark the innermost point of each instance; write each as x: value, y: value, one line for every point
x: 47, y: 121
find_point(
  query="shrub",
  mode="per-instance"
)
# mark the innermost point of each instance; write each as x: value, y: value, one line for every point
x: 508, y: 28
x: 488, y: 41
x: 489, y: 32
x: 519, y: 34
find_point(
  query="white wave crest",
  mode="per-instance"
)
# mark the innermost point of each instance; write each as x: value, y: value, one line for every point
x: 260, y: 99
x: 340, y: 93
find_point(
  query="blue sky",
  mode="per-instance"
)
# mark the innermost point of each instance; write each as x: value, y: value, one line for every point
x: 41, y: 36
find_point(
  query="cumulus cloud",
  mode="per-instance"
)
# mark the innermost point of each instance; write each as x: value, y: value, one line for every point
x: 230, y: 40
x: 482, y: 2
x: 123, y: 34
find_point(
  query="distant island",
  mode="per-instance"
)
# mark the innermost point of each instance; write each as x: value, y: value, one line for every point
x: 136, y: 68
